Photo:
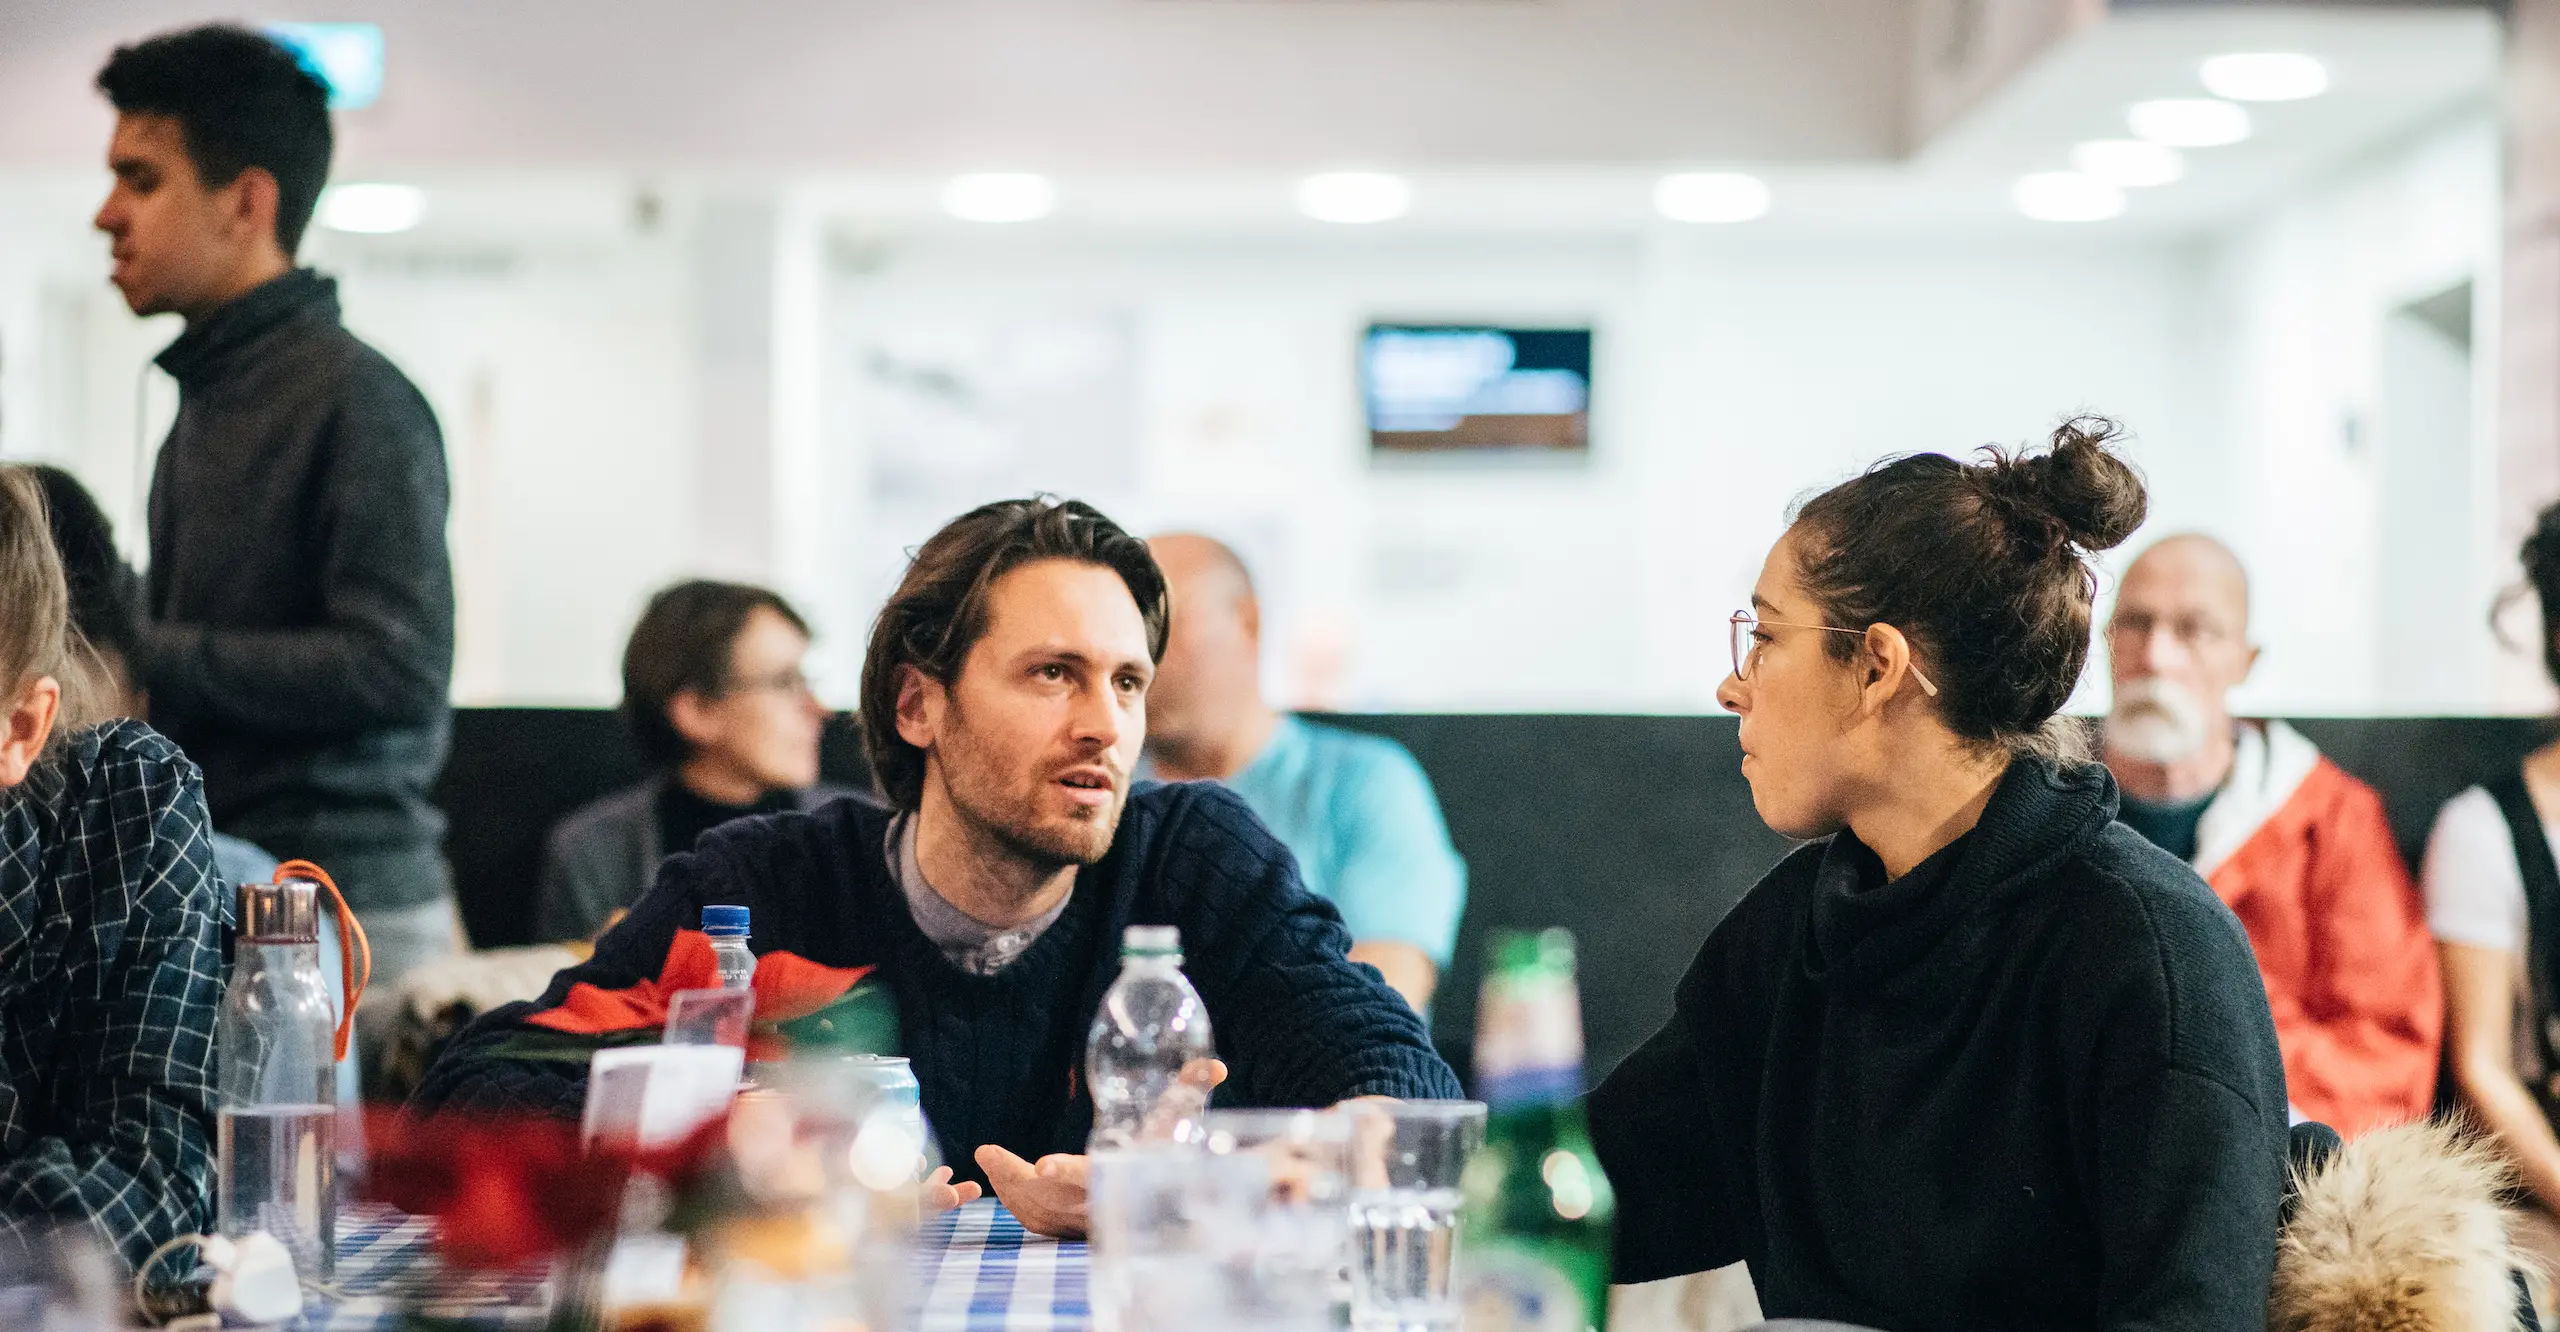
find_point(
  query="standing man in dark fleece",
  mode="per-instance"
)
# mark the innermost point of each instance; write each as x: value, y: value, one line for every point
x: 1004, y: 701
x: 299, y: 642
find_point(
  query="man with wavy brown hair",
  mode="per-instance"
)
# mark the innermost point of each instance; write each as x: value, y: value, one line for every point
x: 1004, y: 704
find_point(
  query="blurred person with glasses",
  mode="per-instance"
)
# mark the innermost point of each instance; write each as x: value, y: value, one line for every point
x: 714, y: 696
x: 1356, y: 810
x: 2300, y: 851
x: 1977, y: 1055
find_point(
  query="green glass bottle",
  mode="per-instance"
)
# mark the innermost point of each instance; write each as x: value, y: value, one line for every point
x: 1539, y: 1212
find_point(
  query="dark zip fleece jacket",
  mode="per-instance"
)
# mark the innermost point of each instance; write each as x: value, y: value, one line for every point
x: 300, y: 644
x: 2032, y: 1083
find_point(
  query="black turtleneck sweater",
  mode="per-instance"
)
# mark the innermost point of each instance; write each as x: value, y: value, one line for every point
x: 300, y: 644
x: 2030, y: 1084
x: 684, y: 814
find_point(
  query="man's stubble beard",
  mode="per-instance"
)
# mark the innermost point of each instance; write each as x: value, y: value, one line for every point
x: 1003, y: 822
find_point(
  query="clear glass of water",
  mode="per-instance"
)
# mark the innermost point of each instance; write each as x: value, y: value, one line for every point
x: 1152, y: 1269
x: 1405, y: 1161
x: 1286, y: 1230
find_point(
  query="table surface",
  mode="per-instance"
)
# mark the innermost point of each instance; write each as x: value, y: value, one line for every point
x: 977, y: 1270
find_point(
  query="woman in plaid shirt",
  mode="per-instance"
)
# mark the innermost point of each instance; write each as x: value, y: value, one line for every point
x: 111, y: 926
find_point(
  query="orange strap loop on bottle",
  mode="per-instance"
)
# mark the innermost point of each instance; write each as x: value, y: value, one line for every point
x: 355, y: 954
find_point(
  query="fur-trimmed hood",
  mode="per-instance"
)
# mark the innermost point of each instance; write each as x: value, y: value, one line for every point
x: 2398, y: 1231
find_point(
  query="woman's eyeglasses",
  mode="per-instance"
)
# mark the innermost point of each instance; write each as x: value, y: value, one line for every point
x: 1746, y: 645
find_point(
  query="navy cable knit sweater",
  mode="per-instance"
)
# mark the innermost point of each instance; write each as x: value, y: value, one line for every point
x: 1000, y: 1057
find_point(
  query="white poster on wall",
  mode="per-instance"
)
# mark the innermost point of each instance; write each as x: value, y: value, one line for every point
x: 956, y: 409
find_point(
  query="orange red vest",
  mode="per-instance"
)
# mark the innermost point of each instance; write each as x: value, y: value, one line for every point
x: 2302, y: 854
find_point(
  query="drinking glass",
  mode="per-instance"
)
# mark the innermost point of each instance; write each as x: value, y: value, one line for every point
x: 1144, y: 1207
x: 1406, y: 1159
x: 1287, y: 1235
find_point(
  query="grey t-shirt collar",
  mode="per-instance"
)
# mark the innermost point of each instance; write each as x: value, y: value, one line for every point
x: 966, y: 942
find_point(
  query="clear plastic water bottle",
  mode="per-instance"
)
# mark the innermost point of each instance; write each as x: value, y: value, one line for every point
x: 727, y: 926
x: 275, y: 1050
x: 1151, y: 1026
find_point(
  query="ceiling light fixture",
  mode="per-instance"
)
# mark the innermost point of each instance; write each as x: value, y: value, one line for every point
x: 2131, y: 163
x: 2265, y: 76
x: 2066, y: 196
x: 1354, y: 197
x: 1710, y: 196
x: 2189, y: 122
x: 999, y: 196
x: 372, y: 209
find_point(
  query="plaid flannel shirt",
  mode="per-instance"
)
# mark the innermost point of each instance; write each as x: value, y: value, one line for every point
x: 111, y: 934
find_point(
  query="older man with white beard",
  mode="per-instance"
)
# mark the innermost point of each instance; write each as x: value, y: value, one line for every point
x: 2296, y: 848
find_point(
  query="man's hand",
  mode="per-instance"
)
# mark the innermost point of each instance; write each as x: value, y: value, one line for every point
x: 941, y: 1195
x: 1047, y: 1198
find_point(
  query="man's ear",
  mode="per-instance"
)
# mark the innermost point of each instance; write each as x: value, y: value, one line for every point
x: 921, y: 699
x: 249, y: 205
x: 29, y: 723
x: 1249, y: 614
x: 2248, y: 664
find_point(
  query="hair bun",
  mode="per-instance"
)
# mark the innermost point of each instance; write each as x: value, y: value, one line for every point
x: 2079, y: 491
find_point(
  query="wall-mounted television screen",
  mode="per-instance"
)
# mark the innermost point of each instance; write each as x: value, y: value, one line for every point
x: 1473, y: 389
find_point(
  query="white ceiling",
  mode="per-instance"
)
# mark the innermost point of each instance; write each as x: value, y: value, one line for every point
x: 523, y: 155
x: 1049, y: 84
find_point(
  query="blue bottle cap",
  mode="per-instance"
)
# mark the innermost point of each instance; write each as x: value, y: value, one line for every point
x: 718, y: 921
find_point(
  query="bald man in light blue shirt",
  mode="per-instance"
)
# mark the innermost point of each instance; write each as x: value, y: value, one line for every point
x: 1354, y: 809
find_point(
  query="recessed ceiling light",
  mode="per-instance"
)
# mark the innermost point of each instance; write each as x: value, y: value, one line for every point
x: 372, y: 208
x: 1710, y: 196
x: 2066, y: 196
x: 1354, y: 197
x: 2132, y: 163
x: 999, y: 196
x: 2189, y: 122
x: 2265, y: 76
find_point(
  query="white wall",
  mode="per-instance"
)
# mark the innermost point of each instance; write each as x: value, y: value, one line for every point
x: 1732, y: 374
x: 2363, y: 513
x: 557, y: 349
x: 563, y: 347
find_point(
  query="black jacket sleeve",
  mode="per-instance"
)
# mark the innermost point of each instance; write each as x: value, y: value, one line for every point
x: 2184, y: 1124
x: 1297, y: 1022
x: 382, y: 653
x: 490, y: 1070
x: 1650, y: 1128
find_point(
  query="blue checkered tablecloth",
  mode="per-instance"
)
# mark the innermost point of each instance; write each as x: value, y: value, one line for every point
x: 387, y: 1263
x: 977, y: 1270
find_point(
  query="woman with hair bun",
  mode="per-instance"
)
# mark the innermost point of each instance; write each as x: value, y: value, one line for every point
x: 1979, y: 1056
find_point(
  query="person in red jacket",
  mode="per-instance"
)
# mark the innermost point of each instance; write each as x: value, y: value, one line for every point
x: 2296, y: 848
